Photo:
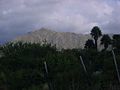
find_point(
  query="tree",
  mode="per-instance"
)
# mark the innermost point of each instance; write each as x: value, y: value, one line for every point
x: 89, y: 44
x: 106, y: 41
x: 96, y: 33
x: 116, y: 41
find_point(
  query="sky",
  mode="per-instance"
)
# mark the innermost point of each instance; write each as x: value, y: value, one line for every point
x: 18, y: 17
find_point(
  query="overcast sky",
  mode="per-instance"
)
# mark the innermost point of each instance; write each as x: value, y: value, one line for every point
x: 21, y: 16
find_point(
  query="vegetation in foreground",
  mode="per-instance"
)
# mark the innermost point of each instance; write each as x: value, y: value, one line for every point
x: 22, y: 66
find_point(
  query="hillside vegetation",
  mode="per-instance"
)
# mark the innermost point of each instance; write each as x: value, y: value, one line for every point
x: 35, y: 66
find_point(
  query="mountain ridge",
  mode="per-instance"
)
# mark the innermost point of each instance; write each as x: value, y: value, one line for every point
x: 62, y: 40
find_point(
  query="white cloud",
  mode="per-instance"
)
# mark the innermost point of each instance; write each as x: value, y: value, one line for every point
x: 62, y: 15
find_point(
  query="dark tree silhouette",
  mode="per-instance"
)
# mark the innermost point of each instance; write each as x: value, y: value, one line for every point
x: 89, y: 44
x: 106, y: 41
x: 96, y: 33
x: 116, y: 41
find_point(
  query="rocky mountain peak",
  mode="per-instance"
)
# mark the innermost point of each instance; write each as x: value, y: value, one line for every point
x: 66, y: 40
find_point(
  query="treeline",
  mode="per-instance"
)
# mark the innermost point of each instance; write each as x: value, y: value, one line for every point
x: 33, y: 66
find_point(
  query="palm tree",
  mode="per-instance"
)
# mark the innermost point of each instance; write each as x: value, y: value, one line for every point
x: 106, y: 41
x: 89, y: 44
x: 96, y: 33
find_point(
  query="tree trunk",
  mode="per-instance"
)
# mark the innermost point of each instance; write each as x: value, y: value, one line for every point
x: 96, y: 44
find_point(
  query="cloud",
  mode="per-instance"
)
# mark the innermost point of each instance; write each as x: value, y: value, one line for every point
x: 21, y: 16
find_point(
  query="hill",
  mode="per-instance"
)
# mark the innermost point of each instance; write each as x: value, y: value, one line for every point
x: 66, y: 40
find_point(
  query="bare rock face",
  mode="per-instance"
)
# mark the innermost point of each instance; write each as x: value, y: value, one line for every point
x: 65, y: 40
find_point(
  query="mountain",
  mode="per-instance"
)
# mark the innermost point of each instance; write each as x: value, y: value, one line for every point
x: 66, y: 40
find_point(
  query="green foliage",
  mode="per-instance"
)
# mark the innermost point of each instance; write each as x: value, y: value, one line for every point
x: 22, y: 68
x: 89, y: 44
x: 96, y: 33
x: 106, y: 41
x: 116, y: 41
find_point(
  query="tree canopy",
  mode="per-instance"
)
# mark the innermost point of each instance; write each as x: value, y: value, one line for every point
x: 96, y: 33
x: 106, y: 41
